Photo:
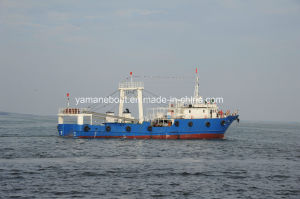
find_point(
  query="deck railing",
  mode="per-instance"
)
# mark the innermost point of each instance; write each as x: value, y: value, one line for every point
x: 131, y: 85
x: 70, y: 110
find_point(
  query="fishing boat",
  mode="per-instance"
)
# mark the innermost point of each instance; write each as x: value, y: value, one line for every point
x: 198, y: 119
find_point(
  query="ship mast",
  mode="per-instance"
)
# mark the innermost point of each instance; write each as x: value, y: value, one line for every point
x: 196, y: 91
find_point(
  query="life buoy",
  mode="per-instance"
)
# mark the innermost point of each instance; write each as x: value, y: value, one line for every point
x: 176, y: 123
x: 86, y: 128
x: 108, y: 128
x: 190, y: 124
x: 207, y: 124
x: 149, y: 128
x: 128, y: 128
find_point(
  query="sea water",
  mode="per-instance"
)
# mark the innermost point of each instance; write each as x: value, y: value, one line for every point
x: 255, y: 160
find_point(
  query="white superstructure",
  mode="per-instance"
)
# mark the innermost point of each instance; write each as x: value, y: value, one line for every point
x: 131, y: 86
x: 196, y: 108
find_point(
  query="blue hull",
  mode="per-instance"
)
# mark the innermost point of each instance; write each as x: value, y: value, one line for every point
x: 186, y: 129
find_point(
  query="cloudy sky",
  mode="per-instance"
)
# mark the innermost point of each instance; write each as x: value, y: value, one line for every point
x: 247, y: 52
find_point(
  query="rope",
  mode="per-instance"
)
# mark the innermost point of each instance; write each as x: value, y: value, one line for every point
x: 94, y: 106
x: 151, y: 93
x: 162, y: 77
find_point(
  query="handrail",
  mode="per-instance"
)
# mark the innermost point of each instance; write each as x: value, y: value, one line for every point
x: 75, y: 111
x: 103, y: 115
x: 131, y: 85
x: 69, y: 110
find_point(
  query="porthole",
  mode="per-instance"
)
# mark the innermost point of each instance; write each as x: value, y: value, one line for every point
x: 207, y: 124
x: 223, y: 123
x: 128, y: 128
x: 108, y: 128
x: 86, y: 128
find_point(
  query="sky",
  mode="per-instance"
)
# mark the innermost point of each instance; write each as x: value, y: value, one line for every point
x: 247, y: 52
